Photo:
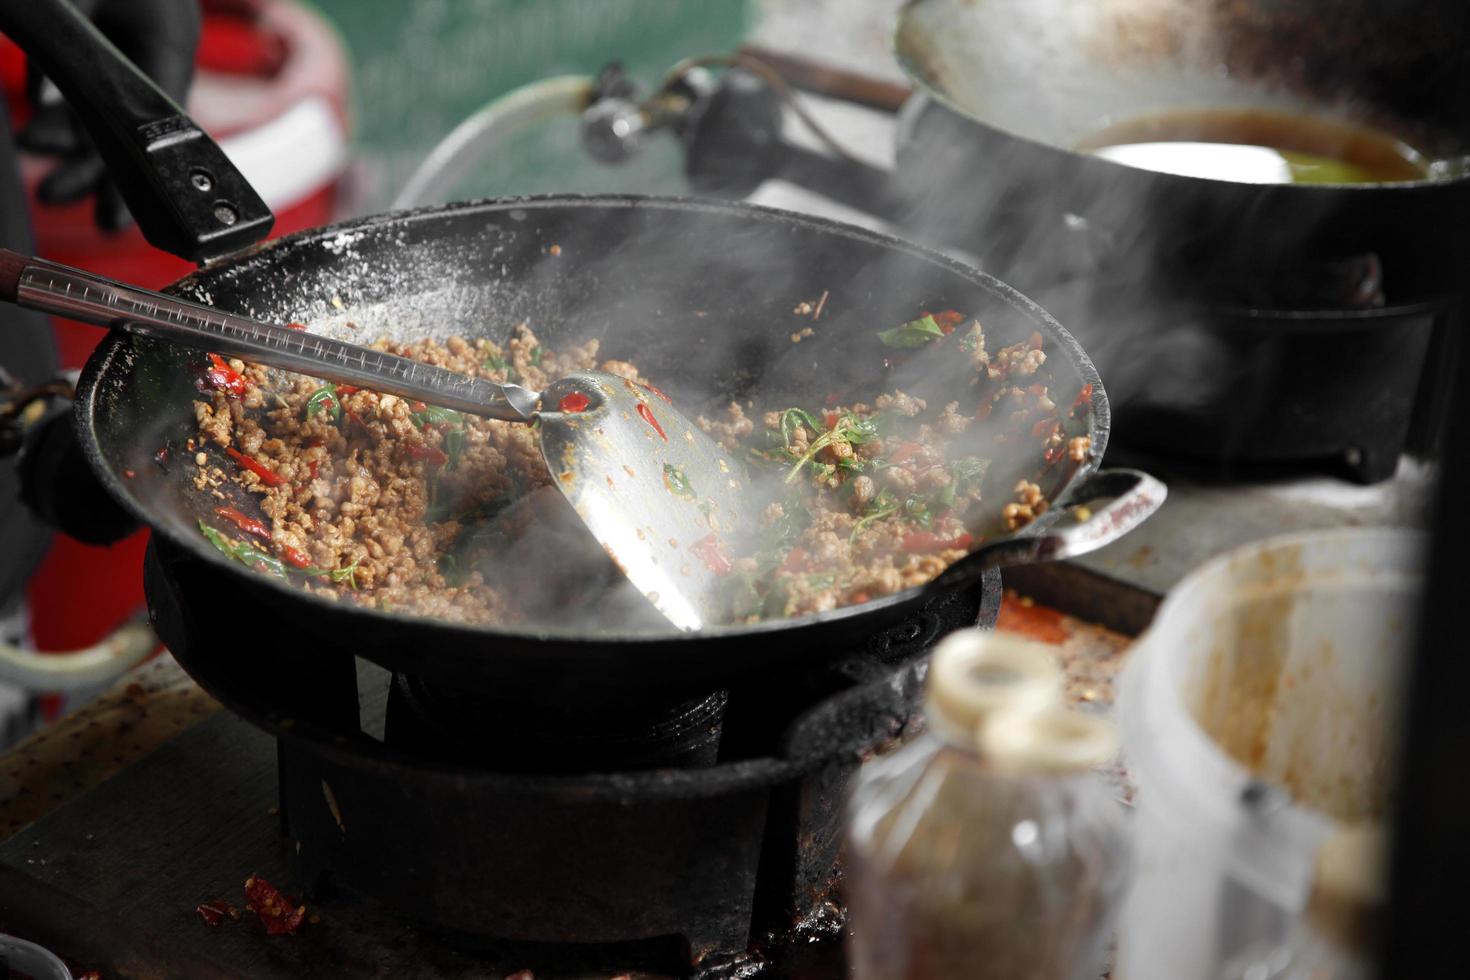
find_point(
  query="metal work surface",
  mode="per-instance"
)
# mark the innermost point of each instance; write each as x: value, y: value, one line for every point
x: 1202, y: 518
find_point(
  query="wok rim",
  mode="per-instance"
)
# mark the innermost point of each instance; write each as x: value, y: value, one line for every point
x: 117, y: 343
x: 923, y: 87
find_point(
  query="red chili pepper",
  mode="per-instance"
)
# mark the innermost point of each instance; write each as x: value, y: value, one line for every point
x: 666, y: 399
x: 647, y: 414
x: 355, y: 419
x: 574, y: 402
x: 905, y: 452
x: 831, y: 419
x: 860, y: 597
x: 948, y: 320
x: 418, y: 406
x: 244, y: 522
x: 929, y: 541
x: 1045, y: 428
x: 276, y: 914
x: 708, y: 550
x: 213, y: 913
x: 1084, y: 397
x: 293, y: 325
x: 130, y: 473
x: 347, y: 389
x: 429, y: 454
x: 225, y: 378
x: 311, y: 468
x: 795, y: 560
x: 267, y: 475
x: 1054, y: 454
x: 295, y: 557
x: 1035, y: 342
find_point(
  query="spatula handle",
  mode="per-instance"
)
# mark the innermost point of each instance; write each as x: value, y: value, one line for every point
x: 186, y: 195
x: 64, y: 291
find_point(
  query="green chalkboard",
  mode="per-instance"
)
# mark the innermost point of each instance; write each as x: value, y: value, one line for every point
x: 422, y: 66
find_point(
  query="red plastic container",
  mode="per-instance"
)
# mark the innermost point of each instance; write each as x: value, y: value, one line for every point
x: 271, y: 86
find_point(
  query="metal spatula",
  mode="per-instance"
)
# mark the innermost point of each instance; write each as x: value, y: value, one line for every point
x: 660, y: 496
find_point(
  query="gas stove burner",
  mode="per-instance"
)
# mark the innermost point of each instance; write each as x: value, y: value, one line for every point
x: 704, y: 835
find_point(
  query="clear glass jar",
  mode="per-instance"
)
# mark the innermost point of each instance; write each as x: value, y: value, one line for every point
x: 988, y: 847
x: 1334, y: 938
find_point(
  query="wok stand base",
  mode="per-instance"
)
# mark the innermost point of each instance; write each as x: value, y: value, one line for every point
x: 452, y: 723
x: 710, y: 846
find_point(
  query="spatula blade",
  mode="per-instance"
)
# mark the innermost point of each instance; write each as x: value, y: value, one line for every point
x: 664, y: 500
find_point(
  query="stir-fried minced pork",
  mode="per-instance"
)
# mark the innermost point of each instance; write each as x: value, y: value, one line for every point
x: 389, y: 503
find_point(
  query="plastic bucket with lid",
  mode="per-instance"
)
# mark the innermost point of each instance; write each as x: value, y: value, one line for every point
x: 1258, y: 714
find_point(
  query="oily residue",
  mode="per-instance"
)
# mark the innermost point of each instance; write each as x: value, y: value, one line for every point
x: 1273, y: 695
x: 1241, y: 673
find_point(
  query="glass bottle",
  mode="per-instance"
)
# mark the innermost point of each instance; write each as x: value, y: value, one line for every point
x: 1334, y: 939
x: 988, y: 847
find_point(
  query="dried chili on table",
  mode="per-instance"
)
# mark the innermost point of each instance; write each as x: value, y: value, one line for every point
x: 213, y: 913
x: 275, y: 912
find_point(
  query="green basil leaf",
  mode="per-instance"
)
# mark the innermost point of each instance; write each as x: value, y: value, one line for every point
x: 454, y: 446
x: 915, y: 333
x: 324, y: 399
x: 676, y: 481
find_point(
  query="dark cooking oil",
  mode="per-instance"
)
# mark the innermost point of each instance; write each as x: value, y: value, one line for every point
x: 1261, y: 146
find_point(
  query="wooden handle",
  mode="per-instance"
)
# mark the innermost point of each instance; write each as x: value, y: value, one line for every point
x: 836, y: 83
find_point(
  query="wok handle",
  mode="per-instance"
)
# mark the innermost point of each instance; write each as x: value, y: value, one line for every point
x: 1134, y: 496
x: 185, y: 194
x: 64, y: 291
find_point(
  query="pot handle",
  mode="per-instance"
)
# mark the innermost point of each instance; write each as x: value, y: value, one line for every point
x: 185, y: 194
x: 1080, y: 528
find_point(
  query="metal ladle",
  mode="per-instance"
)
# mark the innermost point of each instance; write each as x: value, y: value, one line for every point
x: 660, y: 496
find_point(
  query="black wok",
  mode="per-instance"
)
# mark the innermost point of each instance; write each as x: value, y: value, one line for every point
x: 699, y: 295
x: 1009, y: 88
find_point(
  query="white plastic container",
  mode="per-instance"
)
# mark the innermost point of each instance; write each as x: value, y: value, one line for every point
x: 1258, y: 713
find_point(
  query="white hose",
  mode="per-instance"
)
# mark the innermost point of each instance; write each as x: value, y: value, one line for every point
x: 74, y: 669
x: 474, y: 139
